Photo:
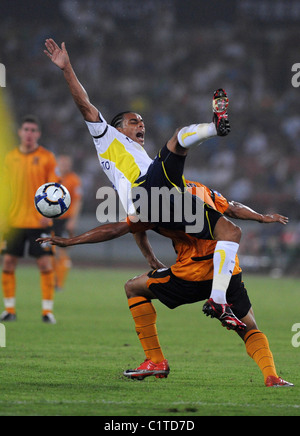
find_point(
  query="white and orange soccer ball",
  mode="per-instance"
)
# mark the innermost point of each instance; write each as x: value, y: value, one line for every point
x: 52, y: 200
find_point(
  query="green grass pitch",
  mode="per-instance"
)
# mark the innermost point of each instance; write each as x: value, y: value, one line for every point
x: 75, y: 367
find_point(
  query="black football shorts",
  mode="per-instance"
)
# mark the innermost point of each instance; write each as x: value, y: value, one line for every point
x: 16, y: 241
x: 173, y: 291
x: 166, y: 171
x: 59, y: 226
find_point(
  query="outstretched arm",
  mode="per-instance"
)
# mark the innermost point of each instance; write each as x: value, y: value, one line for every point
x: 240, y: 211
x: 59, y: 56
x: 144, y: 245
x: 99, y: 234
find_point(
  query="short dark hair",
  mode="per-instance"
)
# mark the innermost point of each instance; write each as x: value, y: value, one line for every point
x: 118, y: 119
x: 31, y: 119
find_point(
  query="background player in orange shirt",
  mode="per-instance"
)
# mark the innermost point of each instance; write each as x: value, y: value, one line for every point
x: 26, y: 168
x: 67, y: 222
x: 188, y: 281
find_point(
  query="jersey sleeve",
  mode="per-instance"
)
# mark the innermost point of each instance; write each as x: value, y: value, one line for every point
x: 97, y: 129
x: 213, y: 198
x: 221, y: 202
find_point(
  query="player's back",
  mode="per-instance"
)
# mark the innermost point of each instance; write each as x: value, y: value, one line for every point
x: 194, y: 256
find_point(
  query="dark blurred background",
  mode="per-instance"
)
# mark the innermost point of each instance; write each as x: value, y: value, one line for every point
x: 164, y: 59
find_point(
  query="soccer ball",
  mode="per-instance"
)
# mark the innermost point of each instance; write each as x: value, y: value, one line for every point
x: 52, y: 200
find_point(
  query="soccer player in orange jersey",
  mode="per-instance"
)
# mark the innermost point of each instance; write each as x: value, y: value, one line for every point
x: 188, y: 281
x: 27, y: 167
x: 67, y: 222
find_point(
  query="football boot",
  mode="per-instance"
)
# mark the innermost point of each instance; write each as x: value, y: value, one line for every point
x: 148, y: 368
x: 277, y: 382
x: 220, y: 117
x: 7, y: 316
x: 224, y: 314
x: 49, y: 318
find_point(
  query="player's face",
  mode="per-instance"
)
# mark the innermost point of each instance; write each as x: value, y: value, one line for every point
x: 29, y: 134
x: 133, y: 126
x: 64, y: 164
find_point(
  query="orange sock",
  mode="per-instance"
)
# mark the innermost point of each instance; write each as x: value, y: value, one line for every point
x: 258, y: 349
x: 144, y: 316
x: 62, y: 267
x: 47, y: 286
x: 9, y: 291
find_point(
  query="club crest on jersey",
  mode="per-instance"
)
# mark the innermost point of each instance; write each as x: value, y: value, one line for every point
x: 217, y: 193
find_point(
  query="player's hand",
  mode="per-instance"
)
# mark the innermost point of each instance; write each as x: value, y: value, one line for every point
x: 54, y: 240
x: 154, y: 263
x: 59, y: 56
x: 275, y: 218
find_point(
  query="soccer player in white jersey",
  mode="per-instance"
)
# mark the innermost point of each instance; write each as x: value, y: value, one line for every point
x: 126, y: 163
x: 120, y: 146
x: 122, y: 159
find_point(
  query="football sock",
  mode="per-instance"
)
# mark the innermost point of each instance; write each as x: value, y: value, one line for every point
x: 144, y: 316
x: 9, y: 291
x: 195, y: 134
x: 224, y: 262
x: 47, y: 286
x: 258, y: 349
x: 62, y: 267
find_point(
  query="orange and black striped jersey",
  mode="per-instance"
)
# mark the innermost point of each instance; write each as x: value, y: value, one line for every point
x: 73, y: 184
x: 194, y: 256
x: 24, y: 173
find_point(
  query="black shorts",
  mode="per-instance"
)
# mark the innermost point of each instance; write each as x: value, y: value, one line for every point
x: 166, y: 171
x: 16, y: 241
x: 173, y: 291
x: 59, y: 226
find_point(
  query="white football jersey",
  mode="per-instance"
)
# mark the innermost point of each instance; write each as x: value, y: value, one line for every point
x: 122, y: 159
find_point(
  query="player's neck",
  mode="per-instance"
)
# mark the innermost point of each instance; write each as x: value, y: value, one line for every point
x: 28, y: 148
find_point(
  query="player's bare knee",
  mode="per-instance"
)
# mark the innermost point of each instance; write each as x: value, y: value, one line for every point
x: 9, y: 264
x: 45, y: 264
x: 225, y: 230
x: 232, y: 232
x: 129, y: 289
x: 236, y: 233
